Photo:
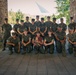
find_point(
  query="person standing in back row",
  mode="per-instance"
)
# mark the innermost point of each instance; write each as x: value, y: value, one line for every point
x: 16, y: 26
x: 63, y: 25
x: 37, y: 23
x: 48, y: 24
x: 27, y: 23
x: 43, y: 28
x: 6, y: 30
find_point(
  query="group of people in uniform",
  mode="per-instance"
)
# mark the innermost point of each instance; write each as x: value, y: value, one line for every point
x: 39, y: 36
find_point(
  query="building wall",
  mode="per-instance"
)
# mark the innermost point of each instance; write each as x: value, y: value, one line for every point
x: 3, y: 10
x: 73, y: 9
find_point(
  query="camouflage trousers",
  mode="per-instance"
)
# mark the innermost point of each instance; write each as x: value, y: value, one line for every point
x: 13, y: 47
x: 27, y: 48
x: 71, y: 48
x: 49, y: 48
x: 38, y: 49
x: 60, y: 47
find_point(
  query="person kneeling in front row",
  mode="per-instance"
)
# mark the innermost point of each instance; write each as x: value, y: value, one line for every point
x: 13, y: 42
x: 49, y: 43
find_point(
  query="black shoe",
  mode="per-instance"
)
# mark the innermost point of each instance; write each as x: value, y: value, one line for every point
x: 3, y: 49
x: 10, y: 53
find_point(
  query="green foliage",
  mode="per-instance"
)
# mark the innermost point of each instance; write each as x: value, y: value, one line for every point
x: 15, y: 15
x: 63, y: 7
x: 19, y: 15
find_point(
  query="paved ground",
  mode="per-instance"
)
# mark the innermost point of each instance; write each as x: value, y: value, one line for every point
x: 40, y: 64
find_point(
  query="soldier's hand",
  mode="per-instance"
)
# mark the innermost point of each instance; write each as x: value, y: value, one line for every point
x: 24, y: 44
x: 13, y: 44
x: 45, y: 44
x: 74, y: 43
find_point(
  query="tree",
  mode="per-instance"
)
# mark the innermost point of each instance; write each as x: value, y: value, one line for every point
x: 15, y: 15
x: 63, y: 7
x: 12, y: 17
x: 19, y: 15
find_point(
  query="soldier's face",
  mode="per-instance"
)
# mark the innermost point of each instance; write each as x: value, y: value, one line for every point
x: 5, y: 22
x: 61, y: 21
x: 14, y: 36
x: 27, y: 19
x: 42, y: 21
x: 37, y: 18
x: 38, y: 34
x: 22, y: 23
x: 49, y: 33
x: 32, y: 22
x: 25, y: 32
x: 48, y: 19
x: 54, y: 21
x: 59, y: 29
x: 71, y: 31
x: 17, y: 21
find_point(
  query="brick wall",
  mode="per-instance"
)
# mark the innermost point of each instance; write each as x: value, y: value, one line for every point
x: 3, y: 10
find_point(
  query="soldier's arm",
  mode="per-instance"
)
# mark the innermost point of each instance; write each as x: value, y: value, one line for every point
x: 70, y: 41
x: 30, y: 31
x: 57, y: 38
x: 40, y: 42
x: 45, y: 30
x: 9, y: 43
x: 62, y: 41
x: 19, y: 47
x: 23, y: 41
x: 35, y: 30
x: 28, y: 41
x: 45, y: 42
x: 19, y: 31
x: 52, y: 42
x: 33, y: 42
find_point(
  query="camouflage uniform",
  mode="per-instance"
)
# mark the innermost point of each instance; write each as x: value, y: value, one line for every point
x: 6, y: 28
x: 49, y: 25
x: 38, y: 47
x: 72, y: 47
x: 20, y: 29
x: 64, y: 26
x: 25, y: 39
x: 43, y: 29
x: 32, y: 29
x: 15, y: 41
x: 49, y: 47
x: 59, y: 45
x: 27, y: 25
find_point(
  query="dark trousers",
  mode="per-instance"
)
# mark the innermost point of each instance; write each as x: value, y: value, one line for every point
x: 13, y: 47
x: 60, y: 47
x: 4, y: 43
x: 27, y: 49
x: 71, y: 48
x: 49, y: 48
x: 38, y: 49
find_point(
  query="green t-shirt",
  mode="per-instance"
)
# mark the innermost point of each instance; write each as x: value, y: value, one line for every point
x: 61, y: 35
x: 6, y: 28
x: 33, y: 27
x: 14, y: 41
x: 49, y: 39
x: 49, y: 25
x: 26, y: 38
x: 64, y: 26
